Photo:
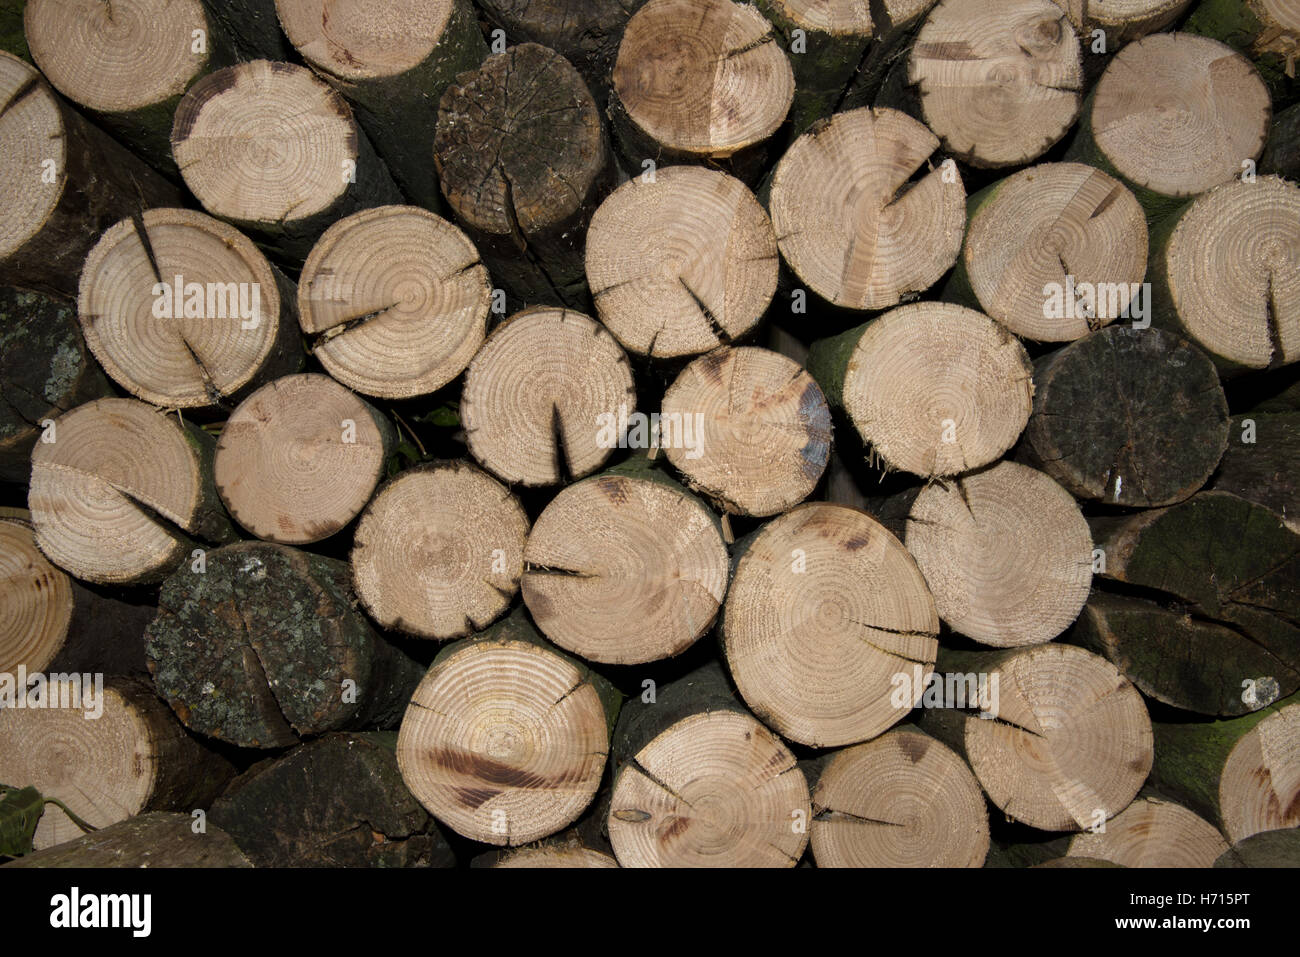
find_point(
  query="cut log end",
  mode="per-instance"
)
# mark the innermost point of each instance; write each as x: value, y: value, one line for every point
x: 1006, y: 553
x: 518, y: 757
x: 1121, y: 20
x: 1070, y: 744
x: 300, y: 458
x: 181, y: 309
x: 1177, y: 113
x: 1213, y: 603
x: 585, y: 32
x: 557, y: 857
x: 835, y: 17
x: 1262, y: 470
x: 682, y: 264
x: 1061, y: 226
x: 825, y: 612
x: 625, y: 570
x: 440, y: 551
x: 356, y: 42
x: 120, y: 56
x: 35, y: 602
x: 396, y: 300
x: 537, y: 394
x: 1233, y: 273
x: 851, y: 224
x: 115, y: 494
x: 1267, y: 849
x: 903, y: 800
x: 32, y: 136
x: 937, y: 389
x: 1152, y: 832
x: 749, y: 429
x: 999, y: 83
x: 265, y: 143
x: 519, y: 143
x: 703, y: 77
x: 1259, y: 789
x: 104, y: 767
x: 715, y: 789
x: 1128, y: 416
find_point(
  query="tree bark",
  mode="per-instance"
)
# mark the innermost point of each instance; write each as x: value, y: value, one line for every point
x: 1188, y: 662
x: 154, y: 839
x: 825, y: 55
x: 1259, y: 465
x: 69, y: 183
x: 252, y: 27
x: 45, y: 371
x: 336, y: 802
x: 1225, y: 570
x: 1266, y: 849
x: 13, y: 39
x: 889, y: 51
x: 1282, y: 154
x: 266, y: 645
x: 1263, y: 30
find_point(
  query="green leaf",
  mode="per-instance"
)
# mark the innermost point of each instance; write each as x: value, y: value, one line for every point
x: 444, y: 417
x: 20, y: 812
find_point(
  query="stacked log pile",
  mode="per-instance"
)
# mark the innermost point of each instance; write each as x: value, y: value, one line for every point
x: 651, y: 433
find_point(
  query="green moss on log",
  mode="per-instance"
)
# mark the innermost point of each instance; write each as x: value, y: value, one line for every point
x: 45, y: 370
